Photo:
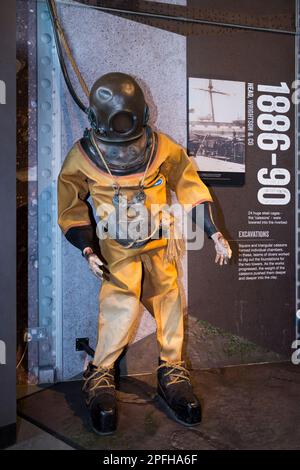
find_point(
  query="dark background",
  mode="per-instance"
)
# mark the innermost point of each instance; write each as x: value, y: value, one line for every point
x: 8, y: 222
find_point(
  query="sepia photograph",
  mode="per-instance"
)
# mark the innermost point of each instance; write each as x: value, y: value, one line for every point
x: 217, y: 124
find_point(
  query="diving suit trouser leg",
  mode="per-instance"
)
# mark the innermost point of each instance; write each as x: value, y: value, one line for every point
x: 162, y: 298
x: 118, y: 311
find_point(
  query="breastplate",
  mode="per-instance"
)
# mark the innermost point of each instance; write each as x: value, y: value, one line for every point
x: 122, y: 158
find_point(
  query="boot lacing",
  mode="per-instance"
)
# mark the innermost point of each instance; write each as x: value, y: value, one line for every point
x: 178, y: 373
x: 102, y: 379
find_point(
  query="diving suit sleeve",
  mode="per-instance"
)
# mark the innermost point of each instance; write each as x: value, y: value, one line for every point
x: 82, y: 237
x: 183, y: 179
x: 209, y: 224
x: 75, y: 216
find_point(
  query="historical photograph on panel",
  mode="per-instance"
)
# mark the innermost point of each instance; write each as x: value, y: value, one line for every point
x: 217, y: 129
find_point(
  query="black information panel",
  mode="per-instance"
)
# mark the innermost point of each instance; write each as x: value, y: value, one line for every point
x: 242, y: 132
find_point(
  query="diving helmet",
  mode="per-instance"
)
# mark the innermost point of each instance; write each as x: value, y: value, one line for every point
x: 118, y: 111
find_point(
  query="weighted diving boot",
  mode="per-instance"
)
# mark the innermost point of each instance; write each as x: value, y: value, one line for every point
x: 99, y: 391
x: 176, y: 393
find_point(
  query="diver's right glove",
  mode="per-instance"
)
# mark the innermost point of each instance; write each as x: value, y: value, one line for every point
x: 94, y: 262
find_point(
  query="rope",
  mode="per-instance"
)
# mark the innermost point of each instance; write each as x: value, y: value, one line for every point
x: 102, y: 378
x: 147, y: 167
x: 100, y: 154
x: 68, y: 50
x: 177, y: 372
x: 23, y: 355
x: 117, y: 187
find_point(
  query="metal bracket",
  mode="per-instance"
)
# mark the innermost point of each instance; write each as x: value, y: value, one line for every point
x: 36, y: 334
x: 82, y: 344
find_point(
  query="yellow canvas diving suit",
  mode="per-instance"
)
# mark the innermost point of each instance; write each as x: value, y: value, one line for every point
x: 138, y: 274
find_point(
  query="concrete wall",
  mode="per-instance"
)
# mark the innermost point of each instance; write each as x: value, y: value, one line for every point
x: 103, y: 43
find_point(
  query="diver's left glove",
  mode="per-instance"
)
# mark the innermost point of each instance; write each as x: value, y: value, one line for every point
x: 222, y: 247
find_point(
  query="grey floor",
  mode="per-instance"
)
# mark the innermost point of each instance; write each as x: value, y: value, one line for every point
x: 245, y: 407
x: 30, y: 437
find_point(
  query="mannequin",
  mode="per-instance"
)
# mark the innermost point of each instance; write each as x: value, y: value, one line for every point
x: 128, y: 168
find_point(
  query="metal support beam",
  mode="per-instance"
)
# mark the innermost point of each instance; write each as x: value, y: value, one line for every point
x: 49, y: 161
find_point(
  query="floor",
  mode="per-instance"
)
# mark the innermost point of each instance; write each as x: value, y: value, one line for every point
x: 244, y: 407
x: 31, y: 437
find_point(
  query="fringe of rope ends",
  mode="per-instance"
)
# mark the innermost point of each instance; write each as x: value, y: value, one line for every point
x: 176, y: 245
